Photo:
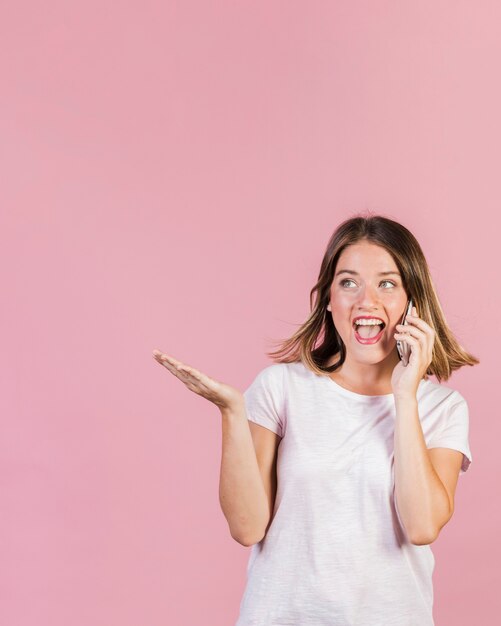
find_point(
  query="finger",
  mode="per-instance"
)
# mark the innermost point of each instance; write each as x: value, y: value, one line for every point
x: 416, y: 337
x: 408, y: 338
x: 197, y: 376
x: 419, y: 323
x: 170, y: 366
x: 161, y: 357
x: 168, y: 361
x: 158, y: 354
x: 184, y: 372
x: 188, y: 371
x: 410, y: 330
x: 420, y: 333
x: 179, y: 371
x: 414, y: 343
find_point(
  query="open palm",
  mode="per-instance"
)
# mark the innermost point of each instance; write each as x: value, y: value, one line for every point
x: 222, y: 395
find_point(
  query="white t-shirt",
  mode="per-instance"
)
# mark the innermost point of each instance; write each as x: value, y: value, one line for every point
x: 336, y: 552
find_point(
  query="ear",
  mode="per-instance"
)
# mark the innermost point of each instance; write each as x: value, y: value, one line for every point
x: 329, y: 307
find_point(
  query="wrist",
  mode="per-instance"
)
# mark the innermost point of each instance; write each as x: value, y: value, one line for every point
x: 238, y: 408
x: 405, y: 399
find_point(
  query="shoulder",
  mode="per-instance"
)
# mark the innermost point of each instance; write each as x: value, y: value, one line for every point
x: 281, y: 372
x: 282, y: 379
x: 269, y: 379
x: 275, y: 372
x: 437, y: 394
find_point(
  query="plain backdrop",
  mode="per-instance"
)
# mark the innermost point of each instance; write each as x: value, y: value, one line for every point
x: 171, y: 173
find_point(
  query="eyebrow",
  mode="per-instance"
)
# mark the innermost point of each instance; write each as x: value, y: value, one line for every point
x: 357, y: 274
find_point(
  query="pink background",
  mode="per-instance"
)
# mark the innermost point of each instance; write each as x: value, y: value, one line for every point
x: 171, y: 173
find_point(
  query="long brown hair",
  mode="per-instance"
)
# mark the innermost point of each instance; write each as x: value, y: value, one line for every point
x: 448, y: 354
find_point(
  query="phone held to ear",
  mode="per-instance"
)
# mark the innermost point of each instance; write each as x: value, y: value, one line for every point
x: 404, y: 350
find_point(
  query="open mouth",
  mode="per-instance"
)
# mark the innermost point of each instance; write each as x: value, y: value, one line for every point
x: 368, y: 334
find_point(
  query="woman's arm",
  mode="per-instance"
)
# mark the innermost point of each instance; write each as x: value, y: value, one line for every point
x: 242, y: 494
x: 422, y: 499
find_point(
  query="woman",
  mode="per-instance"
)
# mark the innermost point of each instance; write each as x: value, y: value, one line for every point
x: 340, y: 463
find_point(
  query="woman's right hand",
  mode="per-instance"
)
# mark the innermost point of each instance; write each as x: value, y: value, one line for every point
x: 222, y: 395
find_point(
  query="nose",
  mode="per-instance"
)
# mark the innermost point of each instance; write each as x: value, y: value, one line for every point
x: 368, y: 298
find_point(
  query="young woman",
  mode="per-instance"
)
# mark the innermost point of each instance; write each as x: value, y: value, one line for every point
x: 340, y: 463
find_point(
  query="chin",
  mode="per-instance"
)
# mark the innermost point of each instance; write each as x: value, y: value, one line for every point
x: 369, y: 360
x: 371, y: 355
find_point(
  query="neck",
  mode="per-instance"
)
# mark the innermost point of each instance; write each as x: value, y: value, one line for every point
x: 366, y: 378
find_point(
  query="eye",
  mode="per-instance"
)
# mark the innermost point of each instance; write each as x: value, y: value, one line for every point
x: 350, y: 280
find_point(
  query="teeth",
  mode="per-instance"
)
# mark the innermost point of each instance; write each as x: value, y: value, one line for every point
x: 364, y: 322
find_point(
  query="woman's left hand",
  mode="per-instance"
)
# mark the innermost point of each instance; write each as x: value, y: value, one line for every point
x: 420, y: 336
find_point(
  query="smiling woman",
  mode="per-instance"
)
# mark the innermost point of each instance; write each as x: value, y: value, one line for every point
x: 359, y: 453
x: 386, y: 266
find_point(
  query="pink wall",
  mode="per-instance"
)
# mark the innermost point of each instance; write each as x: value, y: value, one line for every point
x: 171, y: 173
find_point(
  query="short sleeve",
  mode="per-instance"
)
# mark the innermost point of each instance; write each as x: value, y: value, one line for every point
x: 455, y: 432
x: 264, y: 399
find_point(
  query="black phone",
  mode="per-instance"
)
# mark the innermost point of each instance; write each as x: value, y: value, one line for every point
x: 404, y: 350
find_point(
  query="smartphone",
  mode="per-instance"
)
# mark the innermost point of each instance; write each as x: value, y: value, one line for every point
x: 404, y: 350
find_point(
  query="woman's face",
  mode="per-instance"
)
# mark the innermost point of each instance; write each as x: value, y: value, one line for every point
x: 372, y: 287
